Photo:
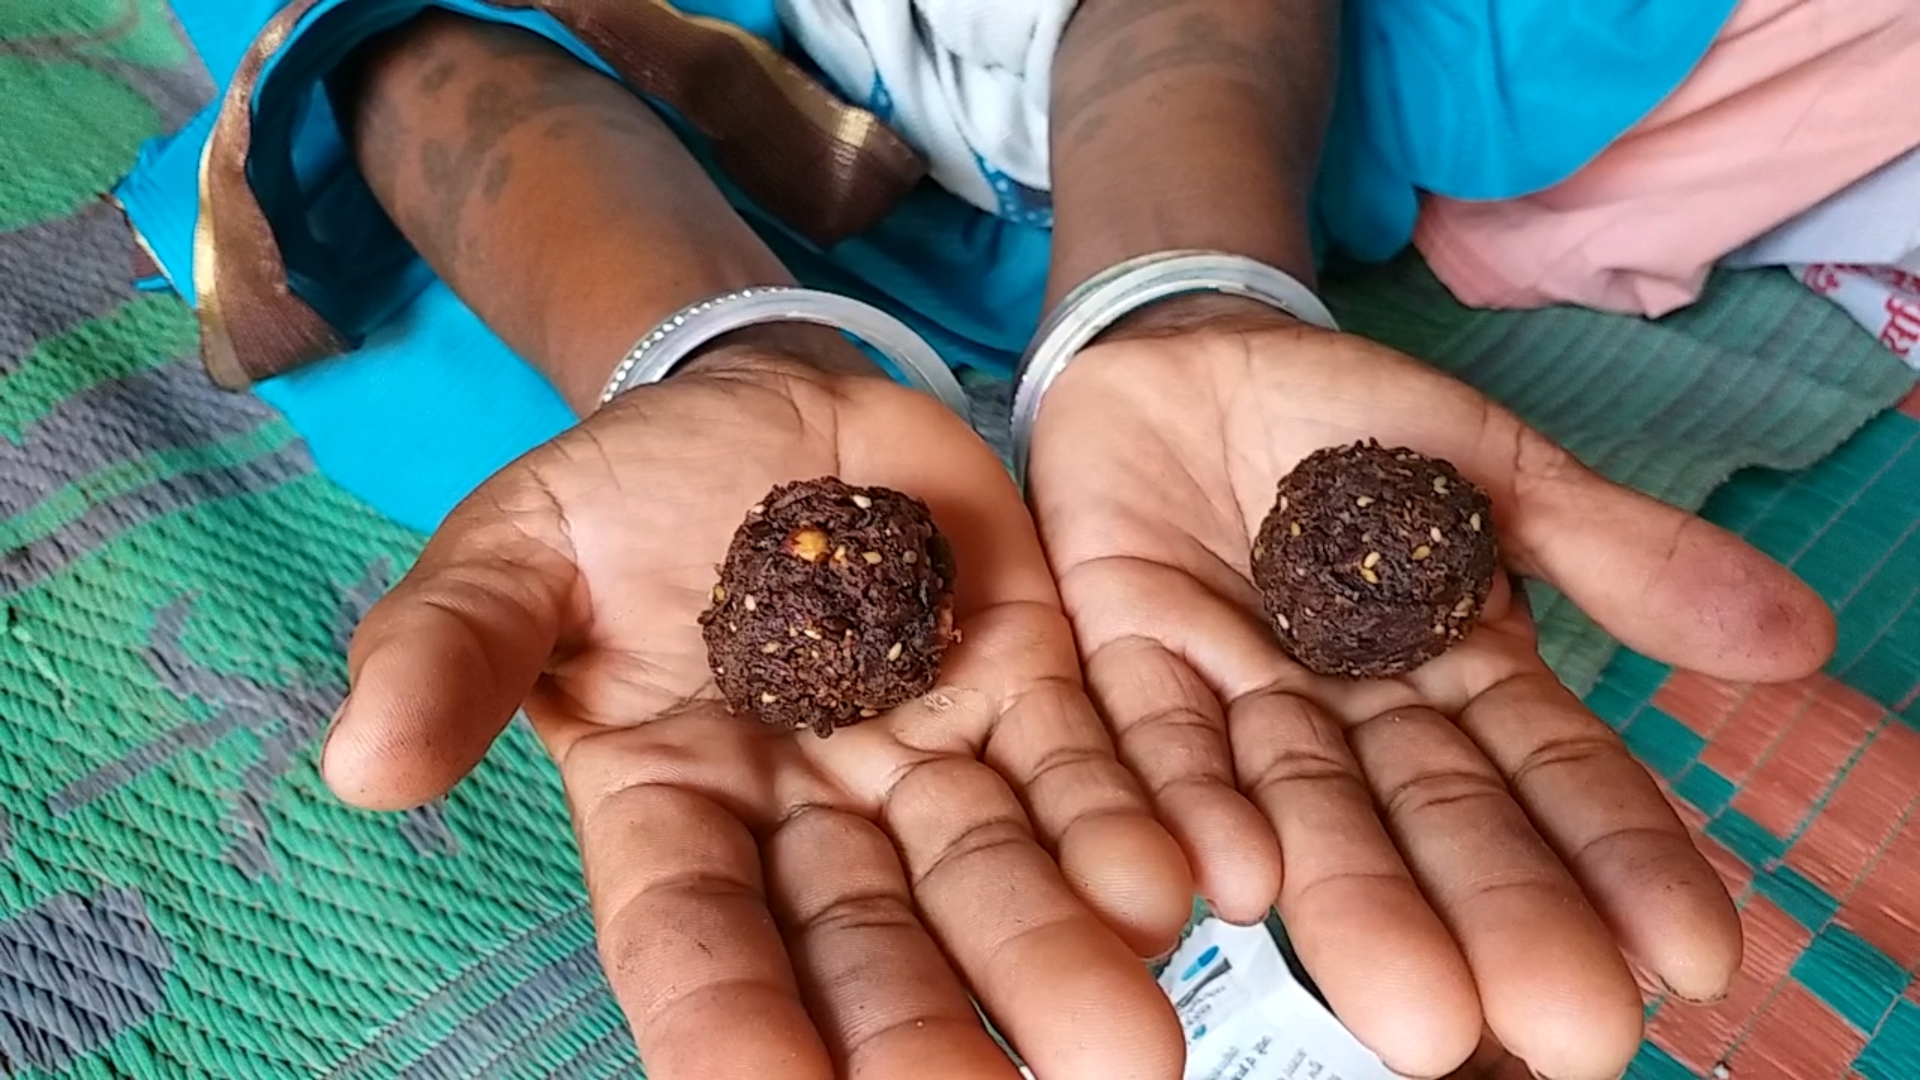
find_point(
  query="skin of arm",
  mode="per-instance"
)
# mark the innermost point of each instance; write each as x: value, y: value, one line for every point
x: 1188, y: 124
x: 553, y: 201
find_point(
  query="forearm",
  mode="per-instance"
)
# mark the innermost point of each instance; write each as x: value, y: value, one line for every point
x: 1188, y: 124
x: 553, y: 201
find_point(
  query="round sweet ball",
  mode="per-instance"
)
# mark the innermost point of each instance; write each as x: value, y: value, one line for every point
x: 835, y: 604
x: 1374, y: 561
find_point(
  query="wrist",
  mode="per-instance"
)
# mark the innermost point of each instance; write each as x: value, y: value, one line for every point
x: 801, y: 331
x: 801, y: 348
x: 1187, y: 126
x: 1215, y: 301
x: 589, y: 325
x: 1197, y: 312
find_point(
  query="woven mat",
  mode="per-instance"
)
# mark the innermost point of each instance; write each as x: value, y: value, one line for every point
x: 180, y: 897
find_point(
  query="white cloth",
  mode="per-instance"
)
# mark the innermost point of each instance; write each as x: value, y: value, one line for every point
x: 1873, y: 222
x: 1861, y: 250
x: 964, y: 81
x: 1883, y: 299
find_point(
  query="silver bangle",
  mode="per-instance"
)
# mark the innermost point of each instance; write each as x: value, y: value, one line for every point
x: 681, y: 334
x: 1126, y: 287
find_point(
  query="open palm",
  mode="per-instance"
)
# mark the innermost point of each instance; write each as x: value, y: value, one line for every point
x: 770, y: 903
x: 1466, y: 845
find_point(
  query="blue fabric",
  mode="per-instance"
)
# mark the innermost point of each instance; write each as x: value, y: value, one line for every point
x: 1489, y: 99
x: 1469, y: 98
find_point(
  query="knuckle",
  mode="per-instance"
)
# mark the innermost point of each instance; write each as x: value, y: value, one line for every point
x: 958, y: 811
x: 1298, y: 746
x: 1066, y: 764
x: 1579, y: 752
x: 977, y: 841
x: 1434, y: 789
x: 857, y: 912
x: 1296, y: 767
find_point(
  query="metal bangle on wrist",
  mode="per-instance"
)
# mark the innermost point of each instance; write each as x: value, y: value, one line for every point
x: 678, y: 337
x: 1113, y: 294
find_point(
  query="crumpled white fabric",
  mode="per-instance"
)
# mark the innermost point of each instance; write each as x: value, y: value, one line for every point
x: 1861, y: 250
x: 964, y: 81
x: 1874, y: 222
x: 1884, y: 300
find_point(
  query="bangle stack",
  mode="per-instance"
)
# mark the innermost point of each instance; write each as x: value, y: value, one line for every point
x: 685, y: 332
x: 1087, y: 312
x: 1112, y: 295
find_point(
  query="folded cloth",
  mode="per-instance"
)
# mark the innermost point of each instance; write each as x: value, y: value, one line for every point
x: 1473, y: 98
x: 1874, y: 222
x: 1467, y: 96
x: 1797, y: 100
x: 1884, y: 300
x: 1861, y: 250
x: 965, y: 81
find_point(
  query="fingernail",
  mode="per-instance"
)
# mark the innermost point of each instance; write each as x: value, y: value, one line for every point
x: 332, y: 724
x: 1714, y: 999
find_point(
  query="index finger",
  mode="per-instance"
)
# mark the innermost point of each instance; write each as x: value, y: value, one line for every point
x: 1044, y: 735
x: 1063, y: 988
x: 1603, y: 814
x: 1553, y: 986
x: 1662, y: 580
x: 888, y: 1003
x: 1088, y: 810
x: 688, y: 943
x: 1665, y: 582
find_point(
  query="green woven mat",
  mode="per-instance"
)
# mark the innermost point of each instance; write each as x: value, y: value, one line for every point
x: 180, y: 897
x: 1805, y: 796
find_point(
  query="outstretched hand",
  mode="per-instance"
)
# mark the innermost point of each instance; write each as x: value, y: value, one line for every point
x: 1465, y: 844
x: 770, y: 903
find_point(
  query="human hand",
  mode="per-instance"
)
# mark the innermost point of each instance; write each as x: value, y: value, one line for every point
x: 770, y: 903
x: 1461, y: 845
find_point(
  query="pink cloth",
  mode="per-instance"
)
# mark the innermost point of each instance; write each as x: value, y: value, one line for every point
x: 1796, y: 100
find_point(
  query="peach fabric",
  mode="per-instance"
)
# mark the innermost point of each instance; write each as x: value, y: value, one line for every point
x: 1796, y: 100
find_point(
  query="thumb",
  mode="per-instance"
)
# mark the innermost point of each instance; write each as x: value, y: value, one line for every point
x: 1663, y: 581
x: 441, y: 664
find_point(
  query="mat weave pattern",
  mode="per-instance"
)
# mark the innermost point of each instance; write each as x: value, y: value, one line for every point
x: 179, y: 897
